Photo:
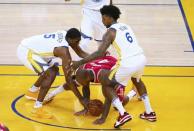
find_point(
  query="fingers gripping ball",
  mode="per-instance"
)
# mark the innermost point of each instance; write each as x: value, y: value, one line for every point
x: 95, y: 107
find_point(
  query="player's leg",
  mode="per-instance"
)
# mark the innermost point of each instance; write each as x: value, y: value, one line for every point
x: 50, y: 76
x: 23, y: 55
x: 82, y: 77
x: 130, y: 95
x: 149, y: 114
x: 109, y: 89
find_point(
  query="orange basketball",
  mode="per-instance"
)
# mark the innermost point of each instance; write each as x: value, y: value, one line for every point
x: 95, y: 107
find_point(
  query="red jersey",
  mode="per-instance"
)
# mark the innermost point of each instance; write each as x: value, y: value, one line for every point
x: 106, y: 62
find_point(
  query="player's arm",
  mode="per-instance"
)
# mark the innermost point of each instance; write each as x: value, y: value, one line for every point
x: 86, y: 92
x: 64, y: 54
x: 79, y: 51
x: 105, y: 112
x: 108, y: 38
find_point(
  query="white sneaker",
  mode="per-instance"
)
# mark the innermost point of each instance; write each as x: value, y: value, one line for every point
x: 49, y: 97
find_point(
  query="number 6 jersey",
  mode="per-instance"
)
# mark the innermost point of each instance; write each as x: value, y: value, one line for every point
x: 125, y: 41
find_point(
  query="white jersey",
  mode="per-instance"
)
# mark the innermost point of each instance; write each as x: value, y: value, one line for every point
x: 125, y: 41
x: 44, y: 44
x: 94, y: 4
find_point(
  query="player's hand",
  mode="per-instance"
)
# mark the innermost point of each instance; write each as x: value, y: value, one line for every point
x: 99, y: 121
x: 82, y: 112
x: 84, y: 102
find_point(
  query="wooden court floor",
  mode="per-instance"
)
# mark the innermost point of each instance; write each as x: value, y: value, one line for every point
x: 170, y: 88
x: 160, y: 30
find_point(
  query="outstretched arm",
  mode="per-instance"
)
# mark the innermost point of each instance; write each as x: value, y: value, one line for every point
x: 64, y: 54
x: 108, y: 38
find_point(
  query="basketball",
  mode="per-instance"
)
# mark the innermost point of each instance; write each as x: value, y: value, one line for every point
x: 95, y: 107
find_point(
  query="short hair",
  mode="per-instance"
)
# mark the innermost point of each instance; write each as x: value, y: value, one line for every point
x: 111, y: 10
x: 73, y: 33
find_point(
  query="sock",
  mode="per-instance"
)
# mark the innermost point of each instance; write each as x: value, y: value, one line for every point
x: 131, y: 94
x: 58, y: 90
x: 34, y: 89
x: 117, y: 103
x: 147, y: 105
x: 38, y: 104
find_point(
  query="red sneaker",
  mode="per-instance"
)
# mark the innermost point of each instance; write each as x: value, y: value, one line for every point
x: 122, y: 120
x: 150, y: 117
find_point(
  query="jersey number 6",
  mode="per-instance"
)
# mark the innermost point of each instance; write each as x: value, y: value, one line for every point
x: 129, y: 38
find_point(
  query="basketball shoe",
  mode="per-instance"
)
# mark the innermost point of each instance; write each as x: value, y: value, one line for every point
x: 150, y: 117
x: 32, y: 95
x: 122, y: 120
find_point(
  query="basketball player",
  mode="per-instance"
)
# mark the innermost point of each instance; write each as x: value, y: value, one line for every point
x: 89, y: 72
x: 130, y: 65
x: 93, y: 72
x: 92, y: 27
x: 38, y: 53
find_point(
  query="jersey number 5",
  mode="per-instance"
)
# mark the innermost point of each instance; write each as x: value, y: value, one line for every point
x: 129, y: 38
x: 49, y: 36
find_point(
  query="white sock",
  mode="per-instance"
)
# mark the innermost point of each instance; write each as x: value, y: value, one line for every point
x: 131, y: 94
x: 58, y: 90
x: 147, y: 105
x: 117, y: 103
x: 34, y: 89
x: 38, y: 104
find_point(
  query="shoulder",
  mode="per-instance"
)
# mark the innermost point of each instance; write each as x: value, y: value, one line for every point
x: 60, y: 51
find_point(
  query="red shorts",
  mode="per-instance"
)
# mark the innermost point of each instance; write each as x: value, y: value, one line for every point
x: 106, y: 62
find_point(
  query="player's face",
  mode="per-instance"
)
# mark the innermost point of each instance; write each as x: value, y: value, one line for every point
x: 74, y: 41
x: 106, y: 20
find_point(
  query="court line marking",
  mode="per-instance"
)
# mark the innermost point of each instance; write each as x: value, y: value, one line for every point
x: 189, y: 51
x: 146, y: 65
x: 186, y: 23
x: 13, y: 107
x: 152, y: 4
x: 63, y: 75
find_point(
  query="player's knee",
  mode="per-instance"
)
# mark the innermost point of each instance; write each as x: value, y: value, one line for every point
x: 136, y: 80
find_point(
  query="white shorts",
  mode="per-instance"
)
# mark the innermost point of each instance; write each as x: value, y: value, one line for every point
x: 91, y: 25
x: 33, y: 61
x: 127, y: 68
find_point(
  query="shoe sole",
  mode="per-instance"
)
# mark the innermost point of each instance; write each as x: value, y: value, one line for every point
x: 123, y: 123
x: 47, y: 101
x: 148, y: 119
x: 30, y: 98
